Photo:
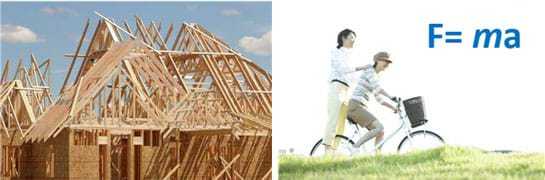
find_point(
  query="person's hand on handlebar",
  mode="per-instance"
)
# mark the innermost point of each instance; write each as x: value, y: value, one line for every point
x: 395, y: 99
x: 393, y: 107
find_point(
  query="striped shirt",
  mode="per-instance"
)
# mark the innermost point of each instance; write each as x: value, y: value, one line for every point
x: 366, y: 86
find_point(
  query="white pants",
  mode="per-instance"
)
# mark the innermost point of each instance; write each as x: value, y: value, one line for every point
x: 337, y: 105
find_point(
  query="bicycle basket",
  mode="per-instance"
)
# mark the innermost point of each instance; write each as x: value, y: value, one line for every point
x: 414, y: 108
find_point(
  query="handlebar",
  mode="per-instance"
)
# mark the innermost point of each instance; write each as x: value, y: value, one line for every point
x: 398, y: 102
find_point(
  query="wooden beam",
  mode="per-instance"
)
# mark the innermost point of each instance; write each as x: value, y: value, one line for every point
x: 16, y: 118
x: 5, y: 73
x: 5, y: 127
x: 42, y: 79
x: 227, y: 167
x: 167, y: 177
x: 267, y: 174
x: 255, y: 120
x: 81, y: 39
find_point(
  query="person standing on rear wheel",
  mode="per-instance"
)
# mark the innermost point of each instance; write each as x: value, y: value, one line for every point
x: 340, y: 80
x: 366, y: 86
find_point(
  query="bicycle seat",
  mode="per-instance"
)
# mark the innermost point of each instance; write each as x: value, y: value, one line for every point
x: 352, y: 122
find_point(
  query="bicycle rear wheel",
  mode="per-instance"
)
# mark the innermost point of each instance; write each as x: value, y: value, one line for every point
x: 343, y: 145
x: 420, y: 140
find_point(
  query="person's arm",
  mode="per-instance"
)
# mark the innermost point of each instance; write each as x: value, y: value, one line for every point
x: 384, y: 103
x: 339, y: 64
x: 384, y: 93
x: 379, y: 91
x: 360, y: 68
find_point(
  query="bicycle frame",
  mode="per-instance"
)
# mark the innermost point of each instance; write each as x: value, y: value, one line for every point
x: 405, y: 125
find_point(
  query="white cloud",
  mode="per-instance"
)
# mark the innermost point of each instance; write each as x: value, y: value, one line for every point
x: 58, y: 10
x: 259, y: 46
x: 17, y: 34
x: 230, y: 12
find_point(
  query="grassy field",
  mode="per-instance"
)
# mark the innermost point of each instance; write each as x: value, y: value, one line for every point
x: 441, y: 163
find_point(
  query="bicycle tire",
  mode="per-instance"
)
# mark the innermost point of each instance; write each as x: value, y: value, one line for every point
x: 419, y: 132
x: 319, y: 143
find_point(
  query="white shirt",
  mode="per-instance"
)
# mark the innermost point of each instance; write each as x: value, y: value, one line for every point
x: 342, y: 65
x: 367, y: 85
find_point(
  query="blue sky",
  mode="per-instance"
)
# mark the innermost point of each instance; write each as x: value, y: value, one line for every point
x: 52, y: 29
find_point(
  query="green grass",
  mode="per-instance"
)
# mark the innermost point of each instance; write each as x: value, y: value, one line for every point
x: 442, y: 163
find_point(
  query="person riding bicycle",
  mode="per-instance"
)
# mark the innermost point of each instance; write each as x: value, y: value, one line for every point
x: 341, y: 78
x: 366, y: 86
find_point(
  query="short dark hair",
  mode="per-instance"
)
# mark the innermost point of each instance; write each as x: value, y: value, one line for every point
x: 343, y: 34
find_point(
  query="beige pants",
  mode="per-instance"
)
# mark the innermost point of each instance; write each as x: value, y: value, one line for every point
x: 337, y: 105
x: 359, y: 114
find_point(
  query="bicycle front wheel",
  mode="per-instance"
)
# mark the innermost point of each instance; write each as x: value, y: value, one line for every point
x: 420, y: 140
x: 343, y: 144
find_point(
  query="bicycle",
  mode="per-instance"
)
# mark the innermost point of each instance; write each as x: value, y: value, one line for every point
x: 415, y: 116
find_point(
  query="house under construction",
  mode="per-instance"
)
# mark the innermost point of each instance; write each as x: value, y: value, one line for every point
x: 142, y: 102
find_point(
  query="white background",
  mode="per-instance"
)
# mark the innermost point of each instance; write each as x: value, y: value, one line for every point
x: 491, y: 99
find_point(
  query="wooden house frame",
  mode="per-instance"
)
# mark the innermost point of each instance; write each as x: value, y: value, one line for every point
x: 23, y: 97
x: 151, y: 103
